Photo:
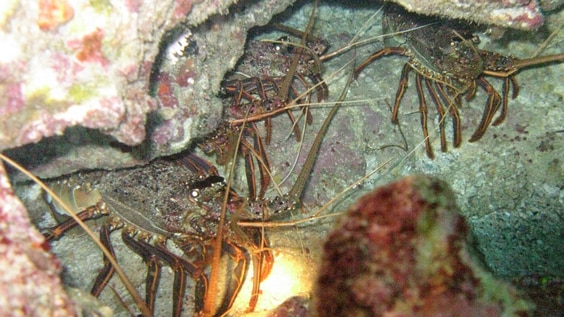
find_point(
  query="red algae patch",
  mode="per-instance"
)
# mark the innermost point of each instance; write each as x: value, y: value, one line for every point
x: 53, y: 13
x: 29, y: 283
x: 401, y: 251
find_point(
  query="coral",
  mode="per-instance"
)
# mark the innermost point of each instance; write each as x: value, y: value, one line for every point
x: 62, y: 79
x: 194, y: 66
x: 90, y: 48
x: 53, y: 13
x: 29, y: 282
x: 520, y: 14
x: 401, y: 251
x: 53, y: 58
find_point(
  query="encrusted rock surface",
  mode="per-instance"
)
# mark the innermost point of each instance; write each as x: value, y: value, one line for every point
x: 401, y: 251
x: 71, y: 63
x: 59, y: 72
x: 94, y: 79
x: 29, y: 276
x: 517, y: 14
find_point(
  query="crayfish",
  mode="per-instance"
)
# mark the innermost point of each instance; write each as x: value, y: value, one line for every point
x: 282, y: 72
x: 174, y: 202
x: 449, y: 66
x: 179, y: 212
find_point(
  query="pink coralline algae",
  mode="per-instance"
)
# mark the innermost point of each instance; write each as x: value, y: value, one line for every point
x: 63, y: 65
x: 60, y: 76
x: 11, y: 99
x: 401, y: 251
x: 90, y: 48
x: 53, y: 13
x: 29, y: 278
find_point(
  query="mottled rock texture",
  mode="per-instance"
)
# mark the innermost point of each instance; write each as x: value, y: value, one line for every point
x: 517, y: 14
x: 88, y: 84
x: 29, y: 274
x: 401, y: 251
x: 58, y: 73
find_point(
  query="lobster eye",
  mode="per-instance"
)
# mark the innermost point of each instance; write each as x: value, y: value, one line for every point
x: 194, y: 194
x: 455, y: 40
x: 278, y: 46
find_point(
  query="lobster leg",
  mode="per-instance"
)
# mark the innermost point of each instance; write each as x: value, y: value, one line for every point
x: 154, y: 271
x: 234, y: 283
x: 293, y: 94
x: 401, y: 91
x: 239, y: 91
x: 494, y: 101
x: 262, y: 265
x: 250, y: 171
x: 179, y: 284
x: 305, y: 108
x: 471, y: 92
x: 258, y: 150
x: 106, y: 273
x: 376, y: 55
x: 423, y: 113
x: 178, y: 265
x: 453, y: 111
x: 264, y: 166
x: 261, y: 89
x: 152, y: 282
x: 507, y: 83
x: 92, y: 212
x: 297, y: 132
x: 197, y: 165
x: 440, y: 109
x: 268, y: 127
x: 323, y: 90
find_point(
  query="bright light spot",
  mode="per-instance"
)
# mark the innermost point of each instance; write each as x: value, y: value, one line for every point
x: 292, y: 274
x: 283, y: 282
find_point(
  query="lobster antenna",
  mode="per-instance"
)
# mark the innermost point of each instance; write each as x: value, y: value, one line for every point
x: 522, y: 63
x: 130, y: 288
x: 209, y: 308
x: 290, y: 75
x: 299, y: 186
x: 548, y: 40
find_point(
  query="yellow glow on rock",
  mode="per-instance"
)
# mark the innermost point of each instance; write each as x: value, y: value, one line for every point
x: 292, y: 274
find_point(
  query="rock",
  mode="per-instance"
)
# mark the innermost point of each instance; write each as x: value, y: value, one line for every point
x: 29, y: 283
x: 402, y: 250
x: 119, y: 90
x: 519, y: 14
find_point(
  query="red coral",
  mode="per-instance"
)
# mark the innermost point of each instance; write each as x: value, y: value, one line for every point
x: 53, y: 13
x: 90, y: 48
x: 400, y: 252
x: 186, y: 74
x: 133, y: 5
x: 12, y: 99
x: 182, y: 8
x: 65, y: 67
x: 165, y: 92
x: 29, y: 283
